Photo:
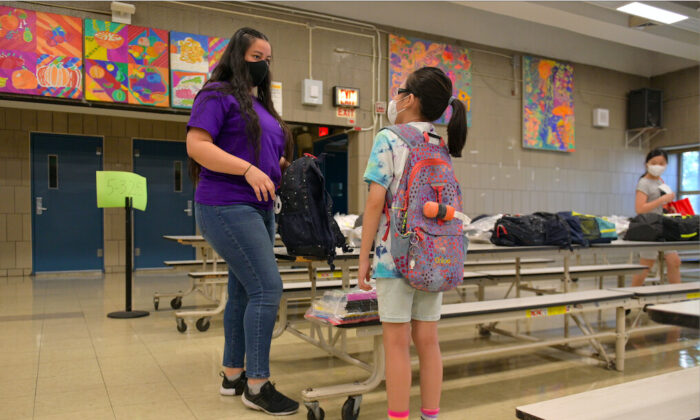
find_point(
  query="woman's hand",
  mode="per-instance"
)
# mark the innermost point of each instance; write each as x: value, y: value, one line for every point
x: 363, y: 274
x: 261, y: 183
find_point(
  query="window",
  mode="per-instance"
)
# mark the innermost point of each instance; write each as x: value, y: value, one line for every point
x: 689, y: 179
x: 177, y: 166
x: 53, y: 172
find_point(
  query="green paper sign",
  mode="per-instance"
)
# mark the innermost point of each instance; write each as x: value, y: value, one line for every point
x: 114, y: 186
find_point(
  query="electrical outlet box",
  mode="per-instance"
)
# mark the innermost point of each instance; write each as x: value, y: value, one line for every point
x: 601, y: 117
x: 312, y: 92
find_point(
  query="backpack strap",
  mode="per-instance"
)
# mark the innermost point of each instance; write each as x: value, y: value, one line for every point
x: 413, y: 136
x: 406, y: 132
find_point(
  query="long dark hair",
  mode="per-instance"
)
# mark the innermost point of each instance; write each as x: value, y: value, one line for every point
x: 434, y: 89
x: 233, y: 78
x: 651, y: 155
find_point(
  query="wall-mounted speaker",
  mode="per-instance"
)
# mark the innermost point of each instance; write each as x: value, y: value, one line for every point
x: 644, y: 108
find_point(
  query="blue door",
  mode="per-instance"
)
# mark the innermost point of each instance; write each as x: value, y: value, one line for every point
x: 66, y: 223
x: 170, y: 209
x: 335, y: 169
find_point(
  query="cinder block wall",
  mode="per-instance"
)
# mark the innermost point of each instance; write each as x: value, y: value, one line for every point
x: 15, y: 175
x: 681, y: 107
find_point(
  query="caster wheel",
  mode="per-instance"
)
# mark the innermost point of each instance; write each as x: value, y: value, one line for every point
x: 156, y: 301
x: 181, y: 325
x: 203, y: 324
x: 176, y: 303
x: 351, y: 408
x: 315, y: 411
x: 484, y: 332
x: 316, y: 416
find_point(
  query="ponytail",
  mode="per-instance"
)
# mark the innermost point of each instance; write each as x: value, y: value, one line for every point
x: 434, y: 90
x: 457, y: 128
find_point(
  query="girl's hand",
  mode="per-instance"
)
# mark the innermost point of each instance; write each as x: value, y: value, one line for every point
x: 363, y: 274
x: 261, y: 183
x: 667, y: 198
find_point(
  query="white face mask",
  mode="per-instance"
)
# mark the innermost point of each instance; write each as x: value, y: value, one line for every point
x: 656, y: 170
x: 391, y: 111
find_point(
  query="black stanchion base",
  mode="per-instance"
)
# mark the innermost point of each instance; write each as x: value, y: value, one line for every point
x: 128, y: 314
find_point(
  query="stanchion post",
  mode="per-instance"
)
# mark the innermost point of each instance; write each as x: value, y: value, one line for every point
x: 129, y: 268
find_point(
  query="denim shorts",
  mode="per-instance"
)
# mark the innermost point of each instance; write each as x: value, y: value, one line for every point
x: 399, y: 302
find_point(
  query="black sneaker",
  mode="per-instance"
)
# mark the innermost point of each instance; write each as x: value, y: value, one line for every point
x: 270, y: 401
x: 232, y: 387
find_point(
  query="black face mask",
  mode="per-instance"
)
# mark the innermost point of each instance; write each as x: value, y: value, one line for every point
x: 258, y: 71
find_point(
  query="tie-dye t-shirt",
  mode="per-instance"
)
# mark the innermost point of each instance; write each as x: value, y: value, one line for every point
x: 385, y: 167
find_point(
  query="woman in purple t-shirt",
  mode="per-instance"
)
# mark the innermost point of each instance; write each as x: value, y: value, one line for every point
x: 237, y: 144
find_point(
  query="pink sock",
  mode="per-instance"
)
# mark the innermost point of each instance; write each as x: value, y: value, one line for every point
x: 397, y: 415
x: 428, y: 414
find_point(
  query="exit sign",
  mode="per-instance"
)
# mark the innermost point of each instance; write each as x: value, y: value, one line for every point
x: 343, y: 96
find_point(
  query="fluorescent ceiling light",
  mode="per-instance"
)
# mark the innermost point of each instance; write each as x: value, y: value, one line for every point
x: 651, y: 12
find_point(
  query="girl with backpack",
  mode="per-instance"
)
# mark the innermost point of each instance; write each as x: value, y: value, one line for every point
x: 651, y: 196
x: 237, y: 145
x: 409, y: 308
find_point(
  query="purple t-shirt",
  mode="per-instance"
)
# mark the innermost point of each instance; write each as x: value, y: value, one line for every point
x: 220, y: 116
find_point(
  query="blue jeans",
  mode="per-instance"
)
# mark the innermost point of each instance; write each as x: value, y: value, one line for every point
x: 244, y: 237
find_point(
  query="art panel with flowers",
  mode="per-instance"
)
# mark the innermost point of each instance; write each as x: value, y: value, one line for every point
x: 408, y: 54
x: 189, y: 65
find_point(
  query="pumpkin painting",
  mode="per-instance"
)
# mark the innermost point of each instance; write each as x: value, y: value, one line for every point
x: 24, y: 79
x: 52, y: 76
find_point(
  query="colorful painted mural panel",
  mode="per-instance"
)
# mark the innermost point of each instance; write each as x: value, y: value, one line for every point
x: 189, y: 52
x: 185, y: 87
x: 148, y: 46
x: 548, y: 105
x: 408, y: 54
x: 106, y: 81
x: 216, y: 50
x: 17, y: 29
x: 148, y: 85
x: 105, y: 41
x: 59, y: 35
x: 18, y: 72
x: 60, y: 77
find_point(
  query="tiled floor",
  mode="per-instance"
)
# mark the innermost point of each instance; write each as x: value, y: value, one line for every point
x: 62, y: 358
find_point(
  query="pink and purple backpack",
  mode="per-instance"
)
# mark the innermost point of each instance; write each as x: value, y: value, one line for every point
x: 428, y: 252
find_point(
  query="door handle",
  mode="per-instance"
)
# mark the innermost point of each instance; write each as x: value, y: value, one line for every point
x: 40, y: 206
x: 188, y: 210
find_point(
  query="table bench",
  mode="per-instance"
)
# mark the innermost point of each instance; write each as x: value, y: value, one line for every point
x: 671, y: 396
x: 470, y: 313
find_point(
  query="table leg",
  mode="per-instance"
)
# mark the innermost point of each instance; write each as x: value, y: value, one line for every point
x: 567, y: 279
x: 620, y: 339
x: 312, y: 278
x: 662, y: 268
x: 517, y: 289
x: 345, y: 269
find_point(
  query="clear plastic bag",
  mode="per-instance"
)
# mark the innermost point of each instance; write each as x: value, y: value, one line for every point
x: 340, y: 307
x: 480, y: 231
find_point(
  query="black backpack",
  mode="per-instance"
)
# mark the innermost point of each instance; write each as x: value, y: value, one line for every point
x: 681, y: 228
x: 306, y: 223
x: 556, y: 230
x: 518, y: 231
x: 575, y: 228
x: 648, y: 227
